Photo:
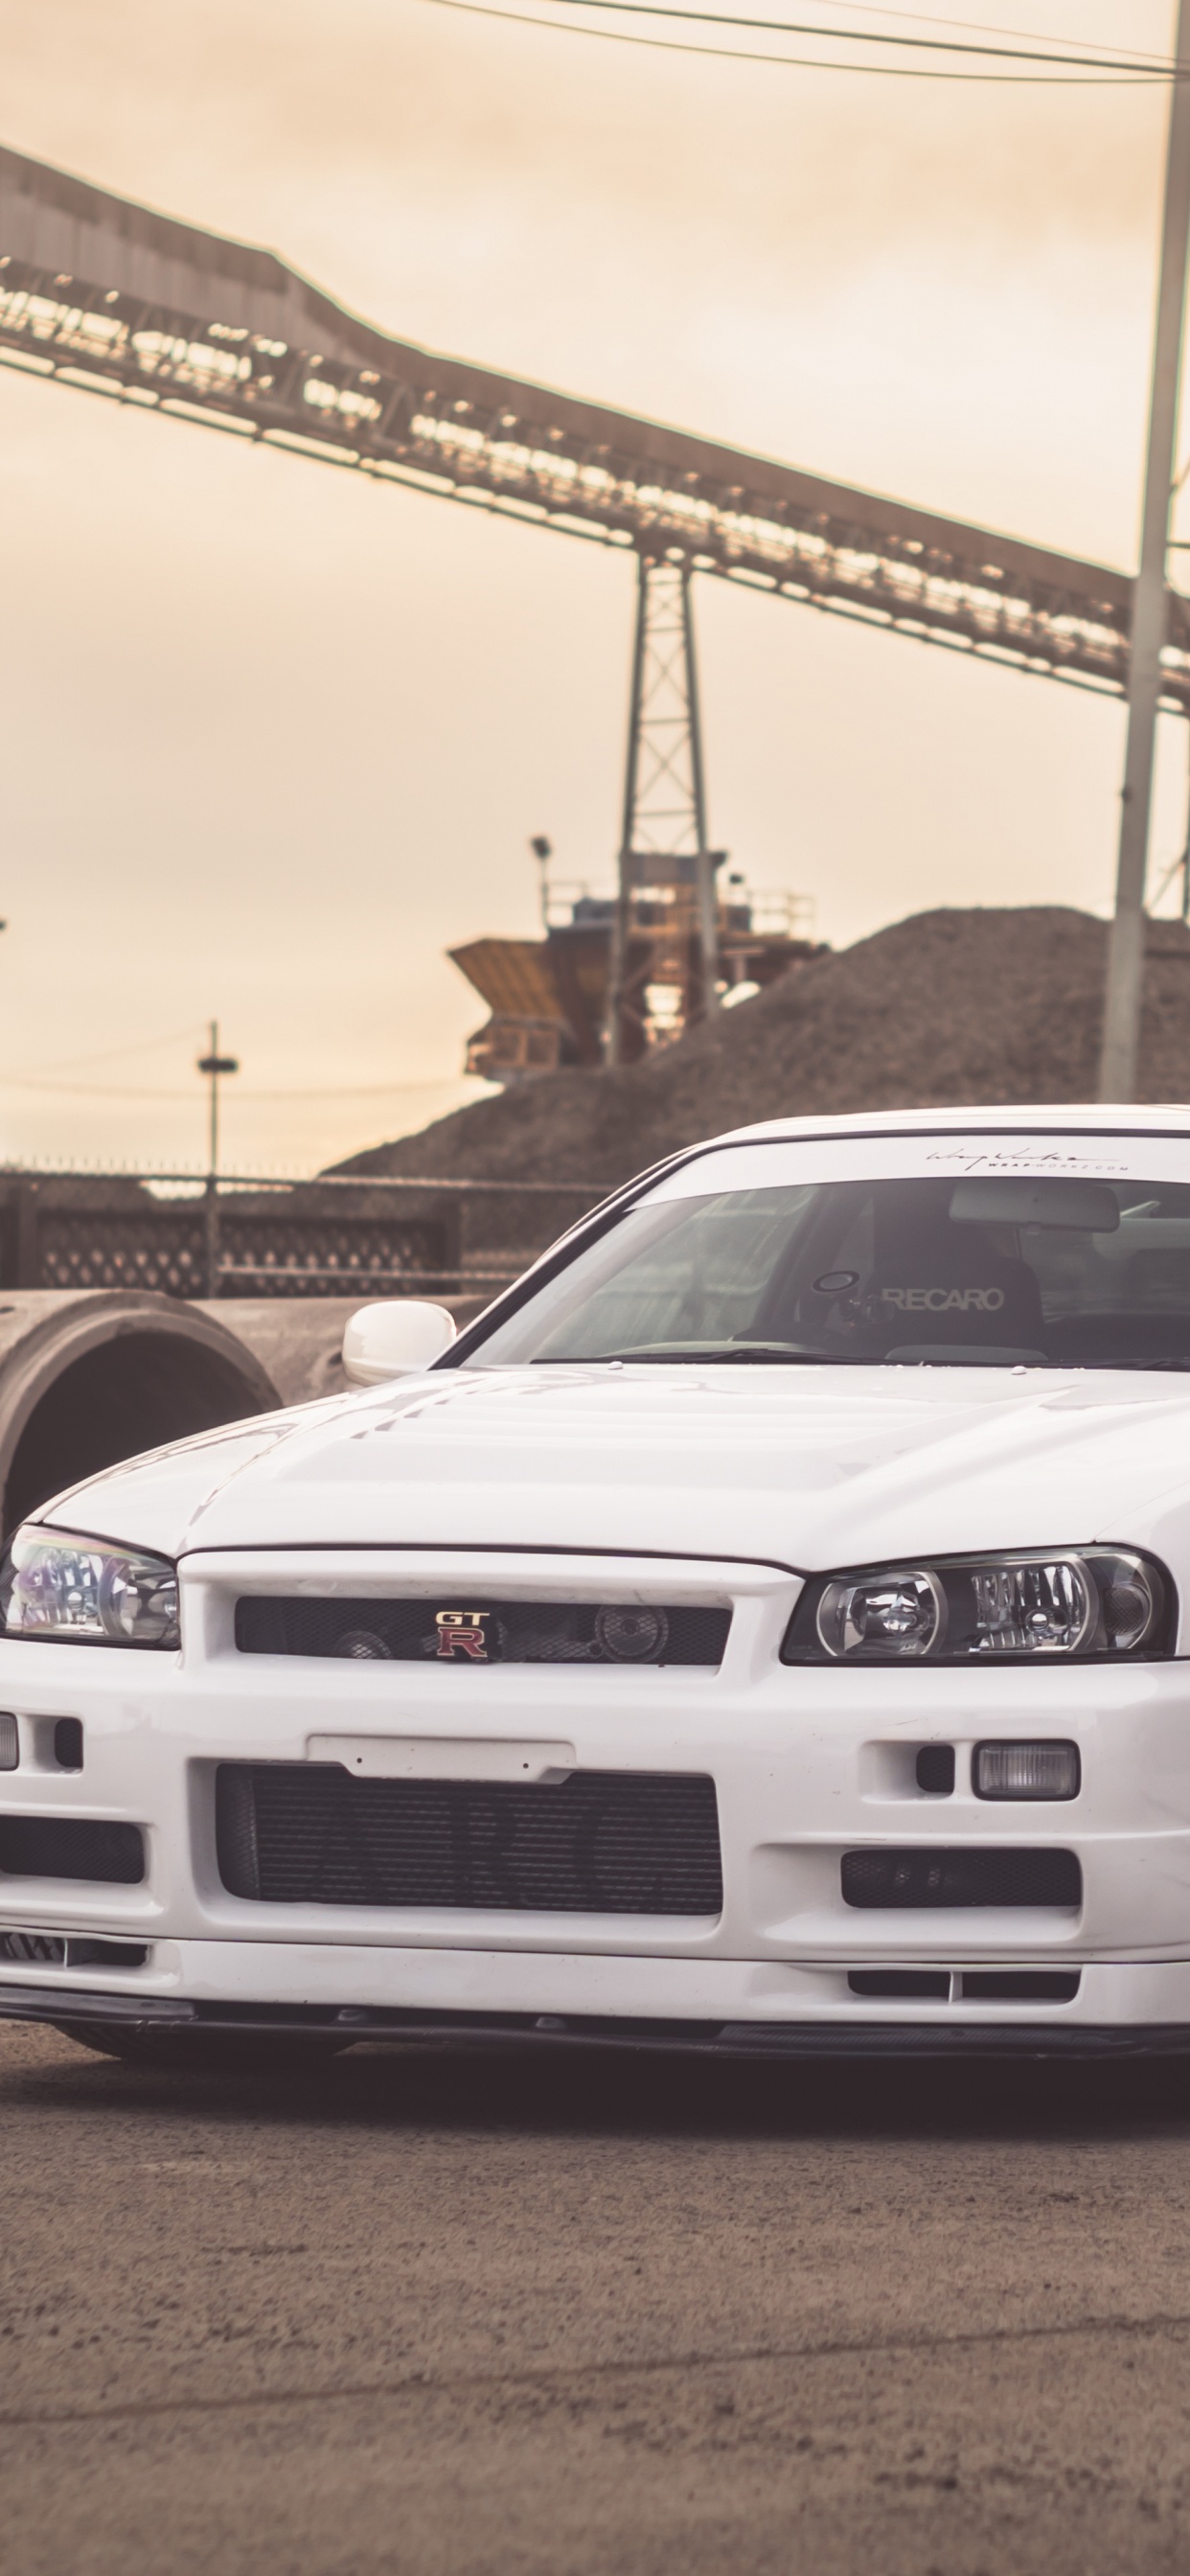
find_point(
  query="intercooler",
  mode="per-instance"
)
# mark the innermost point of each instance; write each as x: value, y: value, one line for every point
x: 597, y: 1842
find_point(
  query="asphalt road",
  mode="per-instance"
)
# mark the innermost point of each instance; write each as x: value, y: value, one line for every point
x: 471, y: 2317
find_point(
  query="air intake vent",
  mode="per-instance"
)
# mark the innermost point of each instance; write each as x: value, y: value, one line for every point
x: 1020, y: 1985
x: 961, y: 1877
x: 54, y: 1950
x: 599, y: 1842
x: 71, y: 1847
x: 902, y: 1985
x: 458, y: 1630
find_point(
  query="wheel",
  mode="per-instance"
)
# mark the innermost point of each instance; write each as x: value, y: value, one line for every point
x: 213, y: 2051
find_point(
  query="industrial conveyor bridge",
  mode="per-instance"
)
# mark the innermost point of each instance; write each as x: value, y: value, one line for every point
x: 110, y: 297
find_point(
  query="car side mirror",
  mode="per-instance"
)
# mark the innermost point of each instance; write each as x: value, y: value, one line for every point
x: 393, y: 1338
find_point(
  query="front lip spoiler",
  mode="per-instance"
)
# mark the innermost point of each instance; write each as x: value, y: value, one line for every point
x: 64, y: 2008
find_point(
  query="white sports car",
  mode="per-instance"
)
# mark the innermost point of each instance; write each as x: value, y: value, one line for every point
x: 765, y: 1625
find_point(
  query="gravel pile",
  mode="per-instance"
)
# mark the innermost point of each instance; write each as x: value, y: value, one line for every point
x: 945, y: 1008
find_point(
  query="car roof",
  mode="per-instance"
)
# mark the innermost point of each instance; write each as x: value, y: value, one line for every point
x: 1135, y: 1118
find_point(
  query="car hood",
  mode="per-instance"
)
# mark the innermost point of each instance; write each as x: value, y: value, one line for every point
x: 805, y: 1467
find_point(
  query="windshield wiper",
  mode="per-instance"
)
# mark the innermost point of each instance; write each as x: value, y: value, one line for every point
x: 720, y: 1354
x: 1166, y: 1361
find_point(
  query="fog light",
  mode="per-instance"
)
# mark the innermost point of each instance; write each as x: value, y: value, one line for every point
x: 1025, y: 1771
x: 10, y: 1750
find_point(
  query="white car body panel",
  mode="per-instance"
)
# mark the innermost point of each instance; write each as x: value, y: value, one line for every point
x: 701, y: 1484
x: 807, y: 1468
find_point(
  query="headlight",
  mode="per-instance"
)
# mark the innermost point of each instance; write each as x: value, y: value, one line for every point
x: 77, y: 1591
x: 1089, y: 1601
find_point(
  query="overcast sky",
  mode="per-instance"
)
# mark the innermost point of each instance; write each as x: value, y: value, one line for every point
x: 274, y: 739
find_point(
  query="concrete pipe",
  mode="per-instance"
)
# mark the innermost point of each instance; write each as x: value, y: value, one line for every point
x: 297, y: 1341
x: 93, y: 1375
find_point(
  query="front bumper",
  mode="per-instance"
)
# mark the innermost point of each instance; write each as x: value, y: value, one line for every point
x: 472, y: 1999
x: 807, y: 1764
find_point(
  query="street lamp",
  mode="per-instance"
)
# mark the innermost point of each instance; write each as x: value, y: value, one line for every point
x: 543, y: 852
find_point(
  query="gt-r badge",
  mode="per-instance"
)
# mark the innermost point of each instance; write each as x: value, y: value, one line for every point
x: 460, y: 1632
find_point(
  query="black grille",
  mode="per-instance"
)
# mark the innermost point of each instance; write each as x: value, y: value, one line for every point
x: 53, y: 1950
x: 599, y: 1842
x: 920, y: 1985
x: 71, y: 1847
x: 1021, y: 1986
x: 980, y: 1986
x: 958, y: 1877
x: 462, y: 1630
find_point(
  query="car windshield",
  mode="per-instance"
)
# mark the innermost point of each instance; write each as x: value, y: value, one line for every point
x: 929, y: 1251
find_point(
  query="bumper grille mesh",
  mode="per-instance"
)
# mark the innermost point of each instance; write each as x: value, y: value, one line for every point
x: 56, y: 1950
x: 71, y: 1847
x: 599, y: 1842
x: 882, y: 1879
x: 458, y: 1629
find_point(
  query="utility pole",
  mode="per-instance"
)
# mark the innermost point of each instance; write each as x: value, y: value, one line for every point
x: 213, y: 1065
x: 1125, y: 964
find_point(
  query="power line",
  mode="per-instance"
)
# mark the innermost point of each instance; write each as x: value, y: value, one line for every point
x: 1111, y: 77
x: 979, y: 27
x: 109, y: 1091
x: 114, y: 1055
x: 1154, y: 68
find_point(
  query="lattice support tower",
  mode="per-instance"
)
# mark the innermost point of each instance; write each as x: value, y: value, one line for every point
x: 665, y: 959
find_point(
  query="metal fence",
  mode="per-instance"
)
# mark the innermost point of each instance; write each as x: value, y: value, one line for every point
x: 262, y: 1238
